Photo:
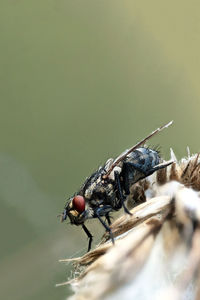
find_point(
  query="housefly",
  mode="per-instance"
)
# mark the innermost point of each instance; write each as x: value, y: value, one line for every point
x: 107, y: 188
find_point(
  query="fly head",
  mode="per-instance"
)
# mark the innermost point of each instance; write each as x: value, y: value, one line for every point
x: 75, y: 210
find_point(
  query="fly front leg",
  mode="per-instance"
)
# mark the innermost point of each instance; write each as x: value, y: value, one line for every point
x: 89, y: 236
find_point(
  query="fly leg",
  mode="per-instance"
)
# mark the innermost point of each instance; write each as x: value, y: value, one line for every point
x: 129, y: 169
x: 133, y: 172
x: 108, y: 219
x: 89, y: 236
x: 101, y: 212
x: 160, y: 166
x: 120, y: 194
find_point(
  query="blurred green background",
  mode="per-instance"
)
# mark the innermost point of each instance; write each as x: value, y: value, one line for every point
x: 81, y: 81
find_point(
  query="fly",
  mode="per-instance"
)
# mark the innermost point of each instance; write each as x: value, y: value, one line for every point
x: 107, y: 188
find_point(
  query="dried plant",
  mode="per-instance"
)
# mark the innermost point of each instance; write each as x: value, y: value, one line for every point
x: 157, y: 250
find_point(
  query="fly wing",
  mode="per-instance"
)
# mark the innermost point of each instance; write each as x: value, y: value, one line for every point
x: 122, y: 156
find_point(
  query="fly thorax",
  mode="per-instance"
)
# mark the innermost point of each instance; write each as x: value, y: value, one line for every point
x: 91, y: 188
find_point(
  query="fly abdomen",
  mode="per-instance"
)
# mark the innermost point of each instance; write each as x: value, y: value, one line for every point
x: 144, y: 159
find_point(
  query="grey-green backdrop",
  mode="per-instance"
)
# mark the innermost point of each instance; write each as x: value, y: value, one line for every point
x: 81, y: 81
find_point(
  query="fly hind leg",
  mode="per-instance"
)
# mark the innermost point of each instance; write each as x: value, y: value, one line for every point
x: 133, y: 172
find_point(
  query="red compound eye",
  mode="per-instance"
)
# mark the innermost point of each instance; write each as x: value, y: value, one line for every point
x: 79, y: 203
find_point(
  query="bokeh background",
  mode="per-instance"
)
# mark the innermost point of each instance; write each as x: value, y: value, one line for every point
x: 81, y: 81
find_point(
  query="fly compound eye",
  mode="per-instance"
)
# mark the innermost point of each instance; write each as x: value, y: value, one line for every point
x: 79, y: 203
